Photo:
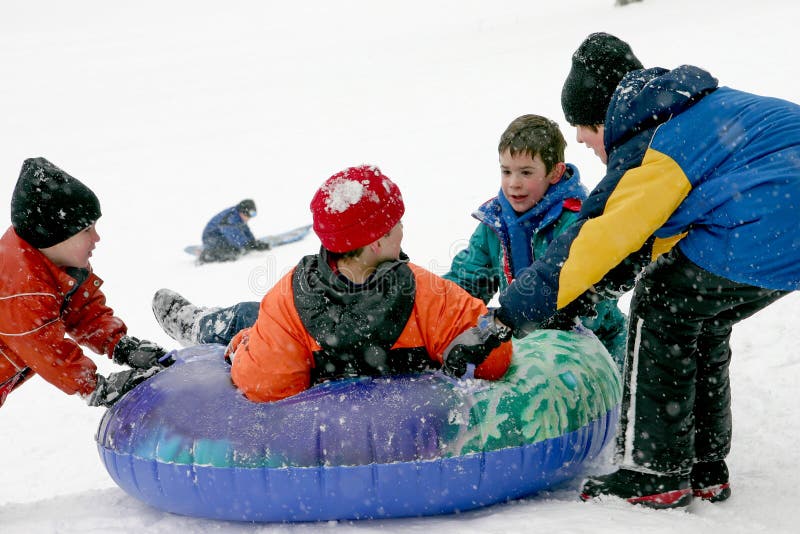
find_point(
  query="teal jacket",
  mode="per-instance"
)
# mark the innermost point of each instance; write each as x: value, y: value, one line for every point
x: 505, y: 243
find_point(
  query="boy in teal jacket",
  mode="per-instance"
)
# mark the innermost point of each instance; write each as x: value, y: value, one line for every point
x: 540, y: 197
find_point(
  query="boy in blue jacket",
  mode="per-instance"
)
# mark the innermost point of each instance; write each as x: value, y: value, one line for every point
x: 701, y: 195
x: 539, y: 198
x: 227, y: 235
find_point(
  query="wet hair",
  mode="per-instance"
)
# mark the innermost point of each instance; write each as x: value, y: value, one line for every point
x: 534, y: 134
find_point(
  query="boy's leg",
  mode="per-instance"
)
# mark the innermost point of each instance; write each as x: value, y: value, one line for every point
x: 219, y: 326
x: 218, y: 249
x: 192, y: 325
x: 676, y: 403
x: 655, y: 433
x: 676, y: 396
x: 712, y: 410
x: 219, y: 254
x: 713, y: 405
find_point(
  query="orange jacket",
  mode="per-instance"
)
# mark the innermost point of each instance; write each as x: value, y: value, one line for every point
x: 273, y: 359
x: 37, y: 313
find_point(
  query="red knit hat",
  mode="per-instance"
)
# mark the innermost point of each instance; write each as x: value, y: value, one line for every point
x: 355, y: 207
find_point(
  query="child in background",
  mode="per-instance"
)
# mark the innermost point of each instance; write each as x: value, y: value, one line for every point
x: 50, y: 300
x: 227, y: 236
x: 540, y: 196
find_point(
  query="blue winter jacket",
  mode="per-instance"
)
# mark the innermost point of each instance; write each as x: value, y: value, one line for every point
x: 227, y: 230
x: 713, y: 169
x: 505, y: 243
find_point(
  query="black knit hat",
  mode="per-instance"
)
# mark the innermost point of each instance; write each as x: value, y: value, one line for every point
x: 598, y: 65
x: 50, y: 206
x: 247, y: 206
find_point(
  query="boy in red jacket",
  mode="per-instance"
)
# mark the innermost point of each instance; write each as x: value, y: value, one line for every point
x: 50, y: 300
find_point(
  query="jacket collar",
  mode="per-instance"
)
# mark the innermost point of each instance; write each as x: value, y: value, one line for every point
x: 337, y: 282
x: 648, y: 97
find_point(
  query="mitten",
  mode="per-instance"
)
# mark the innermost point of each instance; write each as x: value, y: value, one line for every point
x: 110, y: 389
x: 474, y: 345
x: 140, y: 353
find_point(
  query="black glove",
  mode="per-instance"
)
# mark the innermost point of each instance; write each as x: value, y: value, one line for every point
x: 140, y: 354
x: 110, y: 390
x: 258, y: 245
x: 560, y: 321
x: 474, y: 345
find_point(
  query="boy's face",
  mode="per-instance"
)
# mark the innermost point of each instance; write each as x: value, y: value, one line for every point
x: 525, y: 180
x: 390, y: 244
x: 75, y: 251
x: 592, y: 137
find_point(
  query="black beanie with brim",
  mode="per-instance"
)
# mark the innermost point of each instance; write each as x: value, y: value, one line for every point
x: 50, y: 206
x: 598, y: 65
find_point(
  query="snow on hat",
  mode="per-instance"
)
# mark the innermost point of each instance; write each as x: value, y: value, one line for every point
x: 50, y: 206
x: 598, y: 65
x: 355, y: 207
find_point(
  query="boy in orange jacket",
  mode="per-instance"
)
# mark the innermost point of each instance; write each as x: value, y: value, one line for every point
x: 357, y: 308
x: 50, y: 300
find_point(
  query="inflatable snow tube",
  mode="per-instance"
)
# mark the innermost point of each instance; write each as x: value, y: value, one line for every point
x: 187, y: 441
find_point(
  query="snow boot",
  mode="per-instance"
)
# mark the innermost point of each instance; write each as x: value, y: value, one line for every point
x: 653, y: 491
x: 177, y: 316
x: 710, y: 481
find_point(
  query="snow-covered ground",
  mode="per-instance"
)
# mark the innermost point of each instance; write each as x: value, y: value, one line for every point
x: 171, y: 111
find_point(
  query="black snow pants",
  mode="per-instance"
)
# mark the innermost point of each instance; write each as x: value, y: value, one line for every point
x: 676, y: 403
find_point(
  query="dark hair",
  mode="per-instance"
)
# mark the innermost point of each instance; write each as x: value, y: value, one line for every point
x: 534, y: 134
x: 336, y: 256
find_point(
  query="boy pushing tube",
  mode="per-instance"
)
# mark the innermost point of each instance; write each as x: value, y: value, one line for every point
x: 50, y: 300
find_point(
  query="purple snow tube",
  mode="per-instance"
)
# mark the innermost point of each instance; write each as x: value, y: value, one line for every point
x: 187, y: 441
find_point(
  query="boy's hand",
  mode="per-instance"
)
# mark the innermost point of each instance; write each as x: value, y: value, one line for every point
x: 241, y: 337
x: 474, y: 345
x: 110, y: 390
x: 140, y: 354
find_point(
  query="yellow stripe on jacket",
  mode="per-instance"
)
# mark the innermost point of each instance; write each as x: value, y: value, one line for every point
x: 644, y: 198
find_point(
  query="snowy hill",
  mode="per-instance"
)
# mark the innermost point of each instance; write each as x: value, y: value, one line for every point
x: 172, y: 111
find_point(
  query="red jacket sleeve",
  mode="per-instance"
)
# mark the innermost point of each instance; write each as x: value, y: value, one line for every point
x: 35, y: 333
x: 90, y: 322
